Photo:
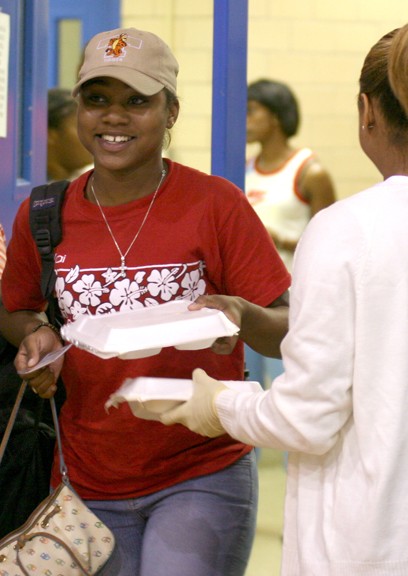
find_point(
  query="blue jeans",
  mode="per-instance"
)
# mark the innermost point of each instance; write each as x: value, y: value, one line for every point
x: 201, y: 527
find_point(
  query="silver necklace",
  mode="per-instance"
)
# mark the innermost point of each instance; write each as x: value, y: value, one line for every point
x: 122, y: 255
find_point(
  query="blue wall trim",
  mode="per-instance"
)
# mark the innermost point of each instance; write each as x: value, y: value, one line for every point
x: 229, y: 89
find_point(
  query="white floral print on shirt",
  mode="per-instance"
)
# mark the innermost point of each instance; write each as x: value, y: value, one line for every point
x: 103, y: 291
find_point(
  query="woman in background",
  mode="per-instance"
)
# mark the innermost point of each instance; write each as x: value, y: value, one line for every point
x: 285, y: 185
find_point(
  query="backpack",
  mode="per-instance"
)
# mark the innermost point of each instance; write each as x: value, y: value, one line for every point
x: 26, y: 467
x: 45, y: 224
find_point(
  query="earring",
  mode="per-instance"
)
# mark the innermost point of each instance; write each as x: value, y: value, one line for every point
x: 362, y: 127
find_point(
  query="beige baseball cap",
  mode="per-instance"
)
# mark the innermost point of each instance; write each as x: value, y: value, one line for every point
x: 140, y: 59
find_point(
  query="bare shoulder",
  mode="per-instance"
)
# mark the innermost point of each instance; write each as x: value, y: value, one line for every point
x: 317, y: 186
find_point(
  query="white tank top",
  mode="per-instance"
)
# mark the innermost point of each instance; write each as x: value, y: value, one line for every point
x: 277, y: 200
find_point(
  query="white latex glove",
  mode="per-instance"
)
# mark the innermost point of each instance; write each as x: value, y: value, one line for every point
x: 199, y: 414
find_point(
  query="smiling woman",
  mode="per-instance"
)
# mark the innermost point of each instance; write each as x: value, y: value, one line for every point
x: 124, y: 130
x: 138, y: 231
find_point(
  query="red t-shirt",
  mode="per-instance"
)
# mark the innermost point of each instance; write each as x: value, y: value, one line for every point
x: 201, y: 236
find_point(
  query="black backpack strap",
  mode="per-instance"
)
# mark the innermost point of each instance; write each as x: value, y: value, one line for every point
x: 45, y: 223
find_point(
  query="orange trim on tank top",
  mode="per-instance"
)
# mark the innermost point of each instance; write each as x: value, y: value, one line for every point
x: 296, y: 187
x: 278, y: 169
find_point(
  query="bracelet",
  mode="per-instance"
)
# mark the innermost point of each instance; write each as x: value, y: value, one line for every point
x: 52, y: 327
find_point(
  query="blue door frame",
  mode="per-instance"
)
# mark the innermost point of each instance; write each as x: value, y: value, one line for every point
x: 32, y: 51
x: 229, y: 89
x: 104, y: 15
x: 23, y: 150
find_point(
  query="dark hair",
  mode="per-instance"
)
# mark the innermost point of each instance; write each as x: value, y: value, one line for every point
x: 374, y: 81
x: 60, y: 105
x: 280, y: 100
x: 398, y: 66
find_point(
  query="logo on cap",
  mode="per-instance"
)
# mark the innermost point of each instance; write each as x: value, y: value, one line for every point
x: 116, y: 46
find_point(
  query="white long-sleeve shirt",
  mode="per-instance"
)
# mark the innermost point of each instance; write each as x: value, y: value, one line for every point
x: 341, y: 406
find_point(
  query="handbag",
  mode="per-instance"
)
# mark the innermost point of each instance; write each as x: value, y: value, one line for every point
x: 62, y: 536
x: 25, y: 470
x: 26, y: 467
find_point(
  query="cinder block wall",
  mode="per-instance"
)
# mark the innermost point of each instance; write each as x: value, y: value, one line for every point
x: 187, y: 26
x: 316, y: 46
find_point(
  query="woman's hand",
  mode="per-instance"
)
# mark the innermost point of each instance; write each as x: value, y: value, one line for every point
x: 199, y: 414
x: 32, y: 349
x: 262, y: 328
x: 231, y: 307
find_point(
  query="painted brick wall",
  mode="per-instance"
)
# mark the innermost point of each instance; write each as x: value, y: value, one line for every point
x: 316, y: 46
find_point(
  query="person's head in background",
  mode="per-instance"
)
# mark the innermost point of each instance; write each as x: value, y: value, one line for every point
x: 272, y: 112
x: 66, y: 156
x: 383, y: 122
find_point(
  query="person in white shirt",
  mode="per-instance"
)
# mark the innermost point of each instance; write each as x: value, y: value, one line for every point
x: 341, y: 405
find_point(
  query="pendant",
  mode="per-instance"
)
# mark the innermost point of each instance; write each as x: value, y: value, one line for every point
x: 122, y: 267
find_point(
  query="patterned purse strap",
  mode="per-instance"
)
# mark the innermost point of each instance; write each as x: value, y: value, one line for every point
x: 63, y: 468
x: 12, y: 419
